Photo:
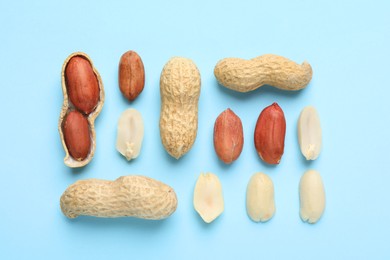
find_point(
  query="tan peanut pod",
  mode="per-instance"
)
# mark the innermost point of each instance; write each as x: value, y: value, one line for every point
x: 247, y: 75
x: 180, y: 90
x: 67, y: 106
x: 127, y: 196
x: 311, y: 196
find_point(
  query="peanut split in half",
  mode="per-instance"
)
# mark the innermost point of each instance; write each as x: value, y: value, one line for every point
x: 208, y: 197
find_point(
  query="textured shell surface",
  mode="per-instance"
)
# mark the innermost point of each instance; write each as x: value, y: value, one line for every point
x: 127, y: 196
x: 180, y: 90
x: 269, y: 69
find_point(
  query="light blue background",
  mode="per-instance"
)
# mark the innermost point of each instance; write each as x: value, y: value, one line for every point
x: 348, y: 46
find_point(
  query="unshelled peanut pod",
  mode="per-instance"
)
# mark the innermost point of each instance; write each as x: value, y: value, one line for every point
x: 269, y: 69
x: 180, y: 90
x: 127, y: 196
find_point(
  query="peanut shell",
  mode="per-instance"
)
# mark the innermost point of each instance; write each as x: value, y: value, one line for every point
x: 180, y: 90
x: 68, y: 106
x: 127, y: 196
x: 277, y: 71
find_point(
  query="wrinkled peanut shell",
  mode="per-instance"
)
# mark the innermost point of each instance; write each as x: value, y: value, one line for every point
x: 127, y: 196
x: 180, y: 91
x: 269, y: 69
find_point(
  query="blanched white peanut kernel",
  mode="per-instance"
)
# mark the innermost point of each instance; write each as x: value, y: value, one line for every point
x: 208, y: 197
x: 130, y: 134
x: 309, y: 133
x: 260, y: 202
x: 312, y: 196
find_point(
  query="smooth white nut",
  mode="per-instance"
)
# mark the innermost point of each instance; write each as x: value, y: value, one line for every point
x: 309, y: 133
x: 312, y: 196
x: 260, y: 202
x: 130, y: 134
x: 208, y: 197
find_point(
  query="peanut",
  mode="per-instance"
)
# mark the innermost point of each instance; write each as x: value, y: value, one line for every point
x: 312, y: 197
x: 228, y: 136
x: 309, y: 133
x: 130, y: 134
x: 208, y: 197
x: 180, y: 90
x: 76, y: 134
x: 131, y: 75
x: 260, y: 202
x: 82, y: 84
x: 247, y: 75
x: 83, y: 91
x: 270, y: 133
x: 127, y: 196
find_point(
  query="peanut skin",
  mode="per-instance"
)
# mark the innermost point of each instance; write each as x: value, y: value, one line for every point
x: 228, y: 136
x: 76, y: 135
x: 270, y: 133
x: 127, y: 196
x: 82, y: 84
x: 131, y: 75
x: 180, y: 90
x: 247, y: 75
